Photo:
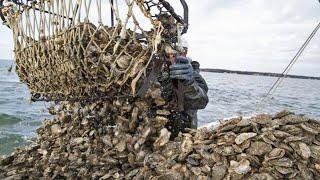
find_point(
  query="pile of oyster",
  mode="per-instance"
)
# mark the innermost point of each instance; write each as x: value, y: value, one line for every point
x: 131, y: 139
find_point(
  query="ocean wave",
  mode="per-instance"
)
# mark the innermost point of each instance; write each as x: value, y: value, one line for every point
x: 5, y: 72
x: 9, y: 81
x: 6, y: 65
x: 11, y: 141
x: 6, y: 119
x: 8, y: 77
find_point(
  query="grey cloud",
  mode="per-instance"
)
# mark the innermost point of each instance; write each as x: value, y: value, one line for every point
x: 257, y: 35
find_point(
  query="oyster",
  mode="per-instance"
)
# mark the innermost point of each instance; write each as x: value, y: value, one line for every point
x: 242, y: 167
x: 259, y: 148
x: 56, y: 129
x: 276, y: 153
x: 243, y: 137
x: 163, y: 138
x: 304, y: 150
x: 219, y: 172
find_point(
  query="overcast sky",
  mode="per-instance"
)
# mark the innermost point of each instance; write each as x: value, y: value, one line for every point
x: 253, y: 35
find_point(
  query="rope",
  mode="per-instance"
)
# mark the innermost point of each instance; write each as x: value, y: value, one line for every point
x: 288, y: 68
x: 62, y: 54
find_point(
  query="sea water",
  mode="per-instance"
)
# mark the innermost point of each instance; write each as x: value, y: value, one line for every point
x: 230, y: 95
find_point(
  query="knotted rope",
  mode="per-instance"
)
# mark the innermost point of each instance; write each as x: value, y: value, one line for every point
x: 65, y: 50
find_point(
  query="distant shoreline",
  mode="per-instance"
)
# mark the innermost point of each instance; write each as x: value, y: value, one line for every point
x: 257, y: 73
x: 245, y: 73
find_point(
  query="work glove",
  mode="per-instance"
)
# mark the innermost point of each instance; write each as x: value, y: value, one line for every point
x: 182, y: 70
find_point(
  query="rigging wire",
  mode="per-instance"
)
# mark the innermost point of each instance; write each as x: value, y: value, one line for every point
x: 288, y: 68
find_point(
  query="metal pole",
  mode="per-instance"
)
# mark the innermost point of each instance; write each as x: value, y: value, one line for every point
x: 112, y: 14
x: 185, y: 16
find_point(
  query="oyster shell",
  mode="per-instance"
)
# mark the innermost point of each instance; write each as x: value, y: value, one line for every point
x: 276, y: 153
x: 244, y: 136
x: 304, y: 150
x: 219, y: 172
x: 163, y: 138
x: 283, y: 162
x: 259, y: 148
x: 242, y: 167
x: 56, y: 129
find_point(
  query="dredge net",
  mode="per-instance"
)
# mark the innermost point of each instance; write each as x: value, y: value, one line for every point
x: 74, y: 50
